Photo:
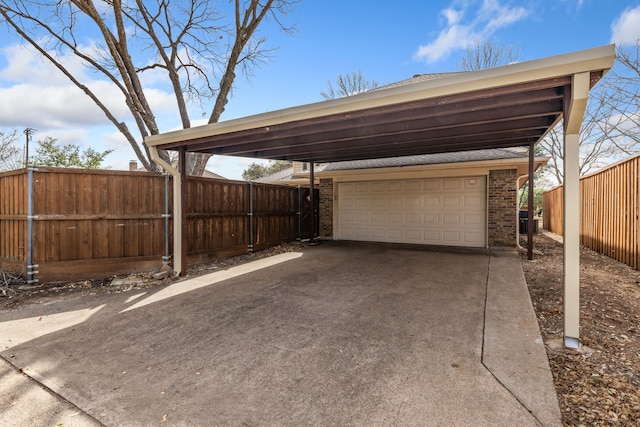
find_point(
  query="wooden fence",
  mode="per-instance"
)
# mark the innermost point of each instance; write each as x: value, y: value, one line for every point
x: 71, y: 224
x: 609, y: 211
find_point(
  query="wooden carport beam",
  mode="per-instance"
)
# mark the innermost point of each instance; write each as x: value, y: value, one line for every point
x: 576, y: 97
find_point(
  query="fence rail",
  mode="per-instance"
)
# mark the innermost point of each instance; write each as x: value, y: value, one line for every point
x: 92, y: 223
x: 609, y: 211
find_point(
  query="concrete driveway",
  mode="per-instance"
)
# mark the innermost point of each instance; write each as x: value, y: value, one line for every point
x: 337, y: 334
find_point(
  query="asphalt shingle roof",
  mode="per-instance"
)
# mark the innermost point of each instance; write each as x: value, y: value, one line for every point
x: 418, y: 78
x: 425, y: 159
x: 429, y: 159
x: 277, y: 176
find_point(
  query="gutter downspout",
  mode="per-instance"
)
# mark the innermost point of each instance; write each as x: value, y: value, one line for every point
x: 177, y: 208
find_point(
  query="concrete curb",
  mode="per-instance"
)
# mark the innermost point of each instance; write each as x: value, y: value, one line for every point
x: 513, y: 350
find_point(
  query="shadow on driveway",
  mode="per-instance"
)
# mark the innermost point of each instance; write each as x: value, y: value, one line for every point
x: 338, y: 334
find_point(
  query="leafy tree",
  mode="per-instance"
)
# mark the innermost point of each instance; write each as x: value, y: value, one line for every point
x: 49, y: 153
x: 541, y: 183
x: 481, y: 55
x: 258, y: 170
x: 537, y: 197
x: 347, y: 85
x: 196, y: 45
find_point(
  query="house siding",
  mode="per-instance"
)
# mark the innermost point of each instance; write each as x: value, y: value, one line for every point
x: 326, y: 208
x: 502, y: 201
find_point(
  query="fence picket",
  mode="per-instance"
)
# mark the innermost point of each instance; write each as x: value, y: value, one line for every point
x: 609, y: 221
x: 92, y: 223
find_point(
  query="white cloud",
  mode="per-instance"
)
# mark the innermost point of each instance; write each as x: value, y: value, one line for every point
x: 161, y: 101
x: 28, y: 105
x: 452, y: 16
x: 231, y: 167
x: 36, y: 94
x: 57, y: 106
x: 25, y: 65
x: 66, y: 136
x: 573, y: 5
x: 625, y: 30
x: 490, y: 17
x: 497, y: 16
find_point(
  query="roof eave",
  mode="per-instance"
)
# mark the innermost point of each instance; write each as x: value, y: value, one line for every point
x: 501, y: 163
x: 595, y: 59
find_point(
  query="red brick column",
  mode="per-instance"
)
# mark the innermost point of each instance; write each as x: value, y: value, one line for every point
x: 503, y: 201
x: 326, y: 207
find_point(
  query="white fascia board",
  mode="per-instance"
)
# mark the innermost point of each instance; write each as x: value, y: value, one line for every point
x: 579, y: 97
x: 442, y: 169
x: 600, y: 58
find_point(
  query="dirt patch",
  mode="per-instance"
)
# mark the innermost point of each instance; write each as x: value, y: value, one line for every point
x: 14, y: 291
x: 600, y: 388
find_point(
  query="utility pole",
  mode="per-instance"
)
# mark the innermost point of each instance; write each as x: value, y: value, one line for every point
x: 27, y: 132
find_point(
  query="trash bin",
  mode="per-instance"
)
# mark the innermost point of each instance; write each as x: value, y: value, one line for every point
x: 524, y: 223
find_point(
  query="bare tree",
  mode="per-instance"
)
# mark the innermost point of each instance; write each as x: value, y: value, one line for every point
x: 197, y: 44
x: 596, y: 149
x: 347, y: 85
x: 481, y: 55
x: 10, y: 154
x: 620, y: 93
x: 611, y: 126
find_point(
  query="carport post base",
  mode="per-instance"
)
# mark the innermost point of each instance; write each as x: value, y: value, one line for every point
x: 570, y: 342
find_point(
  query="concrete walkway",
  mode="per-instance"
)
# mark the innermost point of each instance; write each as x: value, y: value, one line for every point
x: 338, y: 334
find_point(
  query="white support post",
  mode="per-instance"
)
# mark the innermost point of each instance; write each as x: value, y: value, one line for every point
x: 571, y: 239
x: 177, y: 207
x: 575, y: 105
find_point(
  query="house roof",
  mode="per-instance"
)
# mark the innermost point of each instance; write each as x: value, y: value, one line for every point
x: 429, y: 159
x: 284, y: 174
x: 208, y: 174
x: 509, y: 106
x: 404, y: 161
x: 418, y: 78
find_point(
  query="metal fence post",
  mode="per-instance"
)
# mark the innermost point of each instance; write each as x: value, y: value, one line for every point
x: 299, y: 214
x: 250, y: 217
x: 31, y: 272
x: 166, y: 259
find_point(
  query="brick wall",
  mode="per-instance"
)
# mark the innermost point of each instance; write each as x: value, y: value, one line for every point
x: 503, y: 199
x: 326, y: 207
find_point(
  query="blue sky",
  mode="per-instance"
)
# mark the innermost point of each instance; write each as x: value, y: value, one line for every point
x: 387, y: 41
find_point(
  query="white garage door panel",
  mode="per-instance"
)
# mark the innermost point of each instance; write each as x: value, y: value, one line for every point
x: 450, y: 211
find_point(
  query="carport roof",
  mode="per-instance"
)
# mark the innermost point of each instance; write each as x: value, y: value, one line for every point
x: 508, y: 106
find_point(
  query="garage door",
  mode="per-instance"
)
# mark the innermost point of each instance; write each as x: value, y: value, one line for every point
x: 442, y: 211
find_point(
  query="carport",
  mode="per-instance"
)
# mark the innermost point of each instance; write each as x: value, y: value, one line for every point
x: 510, y: 106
